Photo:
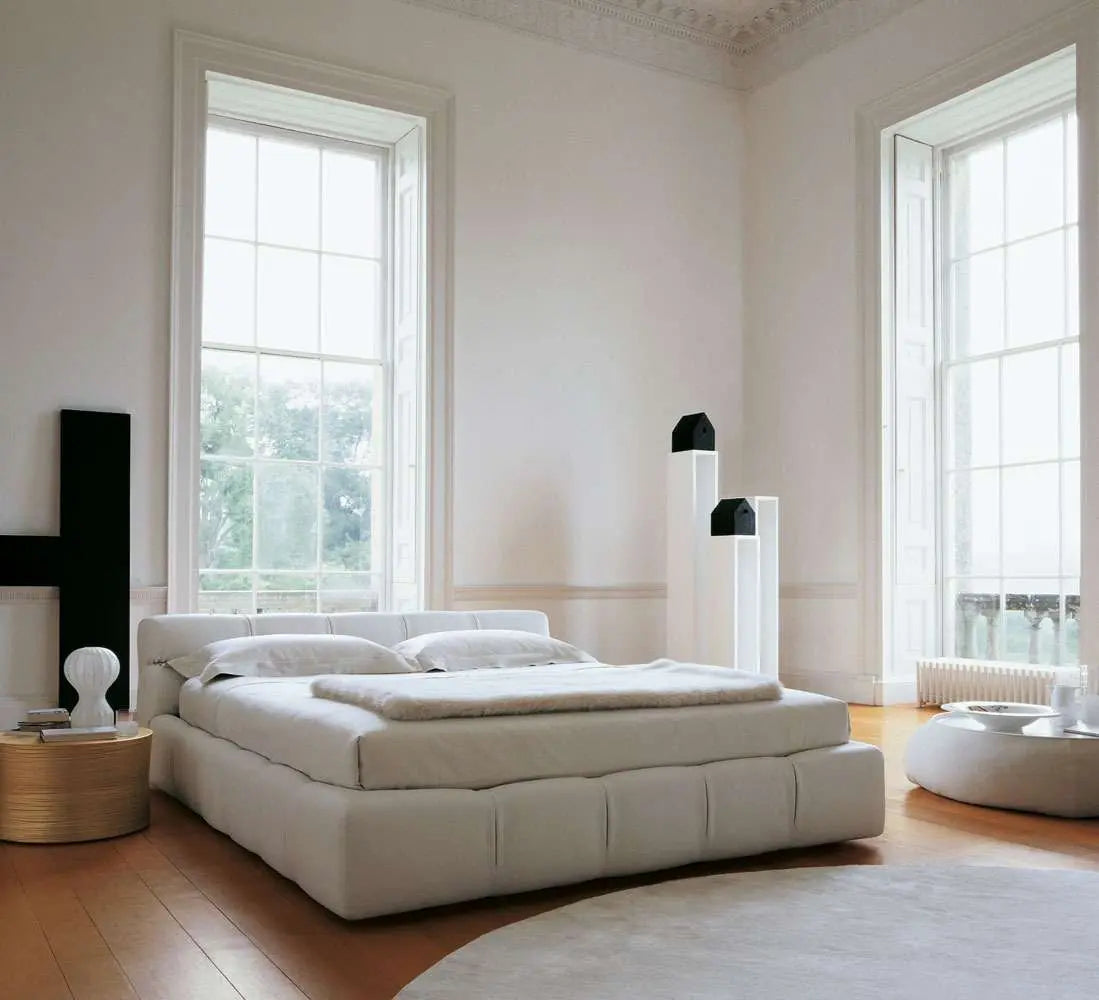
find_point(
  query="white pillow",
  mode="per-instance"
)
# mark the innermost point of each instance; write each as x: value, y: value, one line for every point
x: 469, y: 649
x: 290, y: 656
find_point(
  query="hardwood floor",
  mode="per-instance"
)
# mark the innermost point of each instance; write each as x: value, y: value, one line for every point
x: 179, y: 911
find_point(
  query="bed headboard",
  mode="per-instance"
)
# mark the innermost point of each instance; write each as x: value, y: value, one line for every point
x: 164, y: 637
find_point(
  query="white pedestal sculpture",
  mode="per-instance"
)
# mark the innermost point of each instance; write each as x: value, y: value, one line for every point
x: 91, y: 671
x: 692, y: 494
x: 733, y: 633
x: 767, y: 532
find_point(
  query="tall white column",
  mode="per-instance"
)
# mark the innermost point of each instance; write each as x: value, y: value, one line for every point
x: 692, y: 495
x: 767, y: 532
x: 733, y: 591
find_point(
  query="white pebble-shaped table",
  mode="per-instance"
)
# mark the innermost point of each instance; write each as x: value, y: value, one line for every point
x: 1040, y: 769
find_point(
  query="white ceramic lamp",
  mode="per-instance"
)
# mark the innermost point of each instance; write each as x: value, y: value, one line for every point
x: 91, y: 671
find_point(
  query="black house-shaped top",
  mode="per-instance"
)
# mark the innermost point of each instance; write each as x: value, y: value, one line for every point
x: 733, y: 517
x: 694, y: 432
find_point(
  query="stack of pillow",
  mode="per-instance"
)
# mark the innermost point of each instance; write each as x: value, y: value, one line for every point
x: 311, y: 655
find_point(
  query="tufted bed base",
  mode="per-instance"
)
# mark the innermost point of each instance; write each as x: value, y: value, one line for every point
x: 363, y: 853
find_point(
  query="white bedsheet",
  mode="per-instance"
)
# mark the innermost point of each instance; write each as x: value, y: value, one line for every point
x: 346, y: 745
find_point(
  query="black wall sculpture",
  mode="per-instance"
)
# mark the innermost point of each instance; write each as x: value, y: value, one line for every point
x: 90, y: 561
x: 733, y: 517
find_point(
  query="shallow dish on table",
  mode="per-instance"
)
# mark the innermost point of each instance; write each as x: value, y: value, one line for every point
x: 1001, y: 716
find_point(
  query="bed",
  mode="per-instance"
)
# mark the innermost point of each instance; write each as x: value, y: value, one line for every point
x: 371, y: 816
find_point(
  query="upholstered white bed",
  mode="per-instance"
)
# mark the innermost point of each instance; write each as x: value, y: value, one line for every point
x: 371, y: 816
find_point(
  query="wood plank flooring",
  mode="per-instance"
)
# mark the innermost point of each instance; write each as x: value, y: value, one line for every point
x: 180, y: 912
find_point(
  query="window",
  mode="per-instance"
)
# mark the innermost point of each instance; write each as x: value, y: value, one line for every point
x: 311, y: 359
x: 1009, y: 377
x: 982, y: 411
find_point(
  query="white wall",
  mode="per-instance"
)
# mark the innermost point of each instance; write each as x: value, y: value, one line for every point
x: 596, y: 273
x: 804, y: 427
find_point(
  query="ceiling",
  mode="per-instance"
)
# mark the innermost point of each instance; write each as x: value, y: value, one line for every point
x: 735, y: 43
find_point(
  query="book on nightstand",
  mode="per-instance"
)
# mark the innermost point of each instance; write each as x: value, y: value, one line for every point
x: 88, y: 734
x: 39, y: 719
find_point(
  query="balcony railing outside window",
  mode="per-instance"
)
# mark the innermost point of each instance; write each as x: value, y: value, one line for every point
x: 1021, y: 628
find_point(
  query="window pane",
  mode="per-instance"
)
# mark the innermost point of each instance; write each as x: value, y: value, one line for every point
x: 350, y: 203
x: 1030, y: 417
x: 1070, y: 528
x: 289, y: 193
x: 1072, y: 169
x: 978, y: 304
x: 972, y: 612
x: 1035, y: 180
x: 352, y: 418
x: 286, y: 581
x: 227, y: 402
x: 350, y: 592
x: 973, y: 414
x: 225, y: 515
x: 977, y: 199
x: 350, y: 307
x: 228, y: 292
x: 289, y: 407
x: 1031, y: 528
x: 1036, y: 290
x: 287, y: 299
x: 275, y: 602
x: 1072, y: 270
x: 238, y: 582
x: 973, y: 523
x: 286, y: 516
x: 1070, y: 400
x: 229, y: 602
x: 230, y: 184
x: 350, y: 506
x: 1030, y: 609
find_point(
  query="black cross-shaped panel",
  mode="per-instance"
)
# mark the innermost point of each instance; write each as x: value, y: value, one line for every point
x: 89, y: 562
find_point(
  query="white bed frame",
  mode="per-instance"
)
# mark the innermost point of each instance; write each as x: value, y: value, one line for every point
x: 365, y: 853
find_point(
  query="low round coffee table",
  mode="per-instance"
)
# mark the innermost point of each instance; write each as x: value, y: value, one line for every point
x: 55, y: 793
x: 1040, y: 769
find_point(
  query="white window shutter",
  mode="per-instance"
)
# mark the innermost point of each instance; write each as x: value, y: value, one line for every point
x: 915, y: 603
x: 408, y: 346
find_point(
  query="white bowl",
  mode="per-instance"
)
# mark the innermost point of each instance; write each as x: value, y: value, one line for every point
x: 1001, y: 716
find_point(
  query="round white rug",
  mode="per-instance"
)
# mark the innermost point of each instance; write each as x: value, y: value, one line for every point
x: 821, y: 933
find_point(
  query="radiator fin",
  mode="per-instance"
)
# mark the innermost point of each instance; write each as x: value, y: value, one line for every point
x: 943, y: 680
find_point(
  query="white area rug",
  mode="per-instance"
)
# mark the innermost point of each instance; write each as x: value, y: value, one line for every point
x: 859, y: 933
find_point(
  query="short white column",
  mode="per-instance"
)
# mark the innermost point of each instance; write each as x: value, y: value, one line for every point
x: 733, y: 619
x: 767, y: 531
x: 692, y: 495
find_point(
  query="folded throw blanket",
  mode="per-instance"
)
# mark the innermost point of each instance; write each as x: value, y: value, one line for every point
x: 557, y: 688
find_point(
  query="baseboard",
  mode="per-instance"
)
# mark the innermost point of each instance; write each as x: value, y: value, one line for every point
x: 895, y: 691
x: 856, y: 689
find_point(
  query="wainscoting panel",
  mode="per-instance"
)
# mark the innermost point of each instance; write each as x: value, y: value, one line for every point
x: 29, y: 640
x: 619, y: 624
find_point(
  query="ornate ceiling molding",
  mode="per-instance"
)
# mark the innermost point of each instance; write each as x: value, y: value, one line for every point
x: 734, y: 43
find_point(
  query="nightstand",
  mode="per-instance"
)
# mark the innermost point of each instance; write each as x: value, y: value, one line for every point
x: 66, y: 792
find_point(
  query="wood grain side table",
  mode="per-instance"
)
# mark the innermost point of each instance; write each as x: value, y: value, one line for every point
x: 58, y: 793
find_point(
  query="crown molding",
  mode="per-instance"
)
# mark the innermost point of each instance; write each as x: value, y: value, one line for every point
x: 737, y: 48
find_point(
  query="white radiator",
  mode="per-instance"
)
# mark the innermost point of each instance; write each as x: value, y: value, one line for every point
x: 945, y: 680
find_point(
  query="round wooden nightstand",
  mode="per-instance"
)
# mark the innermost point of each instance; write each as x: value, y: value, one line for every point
x: 66, y: 792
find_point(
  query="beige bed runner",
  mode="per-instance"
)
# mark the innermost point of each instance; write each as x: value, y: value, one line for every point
x: 557, y: 688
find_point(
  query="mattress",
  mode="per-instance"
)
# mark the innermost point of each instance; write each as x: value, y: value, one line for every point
x: 346, y: 745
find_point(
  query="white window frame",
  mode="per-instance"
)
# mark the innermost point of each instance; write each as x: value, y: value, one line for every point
x: 1041, y: 112
x: 196, y: 57
x: 875, y: 125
